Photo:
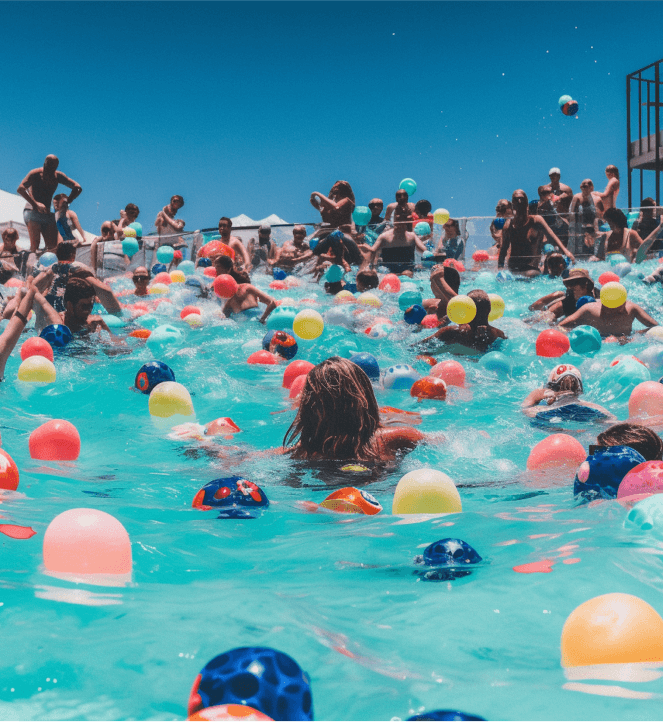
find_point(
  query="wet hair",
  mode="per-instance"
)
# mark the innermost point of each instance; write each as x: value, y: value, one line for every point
x: 638, y: 437
x: 452, y: 277
x: 225, y: 218
x: 617, y: 217
x: 544, y: 189
x: 333, y: 287
x: 482, y: 301
x: 612, y: 169
x: 554, y: 259
x: 10, y: 233
x: 647, y: 203
x: 345, y: 190
x: 65, y: 251
x: 133, y: 208
x: 227, y: 266
x: 368, y: 279
x: 77, y: 289
x: 177, y: 198
x: 423, y: 207
x: 338, y: 414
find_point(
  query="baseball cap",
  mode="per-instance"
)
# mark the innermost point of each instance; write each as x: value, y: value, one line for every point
x: 555, y: 170
x: 599, y: 476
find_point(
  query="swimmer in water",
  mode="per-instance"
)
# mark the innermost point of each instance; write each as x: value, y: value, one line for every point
x: 560, y: 395
x: 610, y: 322
x: 637, y: 436
x: 338, y: 418
x: 444, y: 282
x: 293, y: 253
x: 247, y: 296
x: 141, y: 279
x: 560, y: 303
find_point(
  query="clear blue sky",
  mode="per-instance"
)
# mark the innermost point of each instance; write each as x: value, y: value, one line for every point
x: 248, y: 107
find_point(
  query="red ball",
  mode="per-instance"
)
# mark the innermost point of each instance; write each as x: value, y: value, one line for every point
x: 453, y: 263
x: 8, y: 472
x: 56, y: 440
x: 429, y: 388
x: 210, y: 271
x: 36, y: 346
x: 480, y: 256
x: 278, y: 285
x: 262, y: 357
x: 552, y: 343
x: 187, y: 310
x: 295, y: 369
x: 430, y: 321
x: 390, y: 283
x: 297, y: 386
x: 609, y: 277
x: 216, y: 248
x: 162, y: 277
x: 177, y: 256
x: 225, y: 286
x: 451, y: 372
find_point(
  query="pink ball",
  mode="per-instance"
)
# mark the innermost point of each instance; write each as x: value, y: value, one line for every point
x: 297, y: 386
x: 225, y: 286
x: 163, y: 277
x: 646, y: 400
x: 552, y: 343
x: 210, y: 271
x: 609, y: 277
x: 390, y: 283
x: 643, y: 479
x: 450, y: 371
x: 430, y: 321
x: 36, y: 346
x: 262, y: 357
x: 559, y: 451
x: 56, y: 440
x: 87, y: 541
x: 295, y: 369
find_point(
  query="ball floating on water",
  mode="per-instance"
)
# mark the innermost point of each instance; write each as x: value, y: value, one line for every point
x: 8, y: 472
x: 281, y: 317
x: 429, y: 387
x: 368, y: 364
x: 646, y: 514
x: 187, y: 267
x: 295, y: 369
x: 48, y: 259
x: 158, y: 289
x: 585, y: 339
x: 584, y: 300
x: 279, y: 274
x: 449, y: 558
x: 656, y: 332
x: 422, y: 229
x: 652, y: 357
x: 497, y: 362
x: 334, y: 273
x: 400, y: 377
x: 378, y: 331
x: 559, y: 451
x: 37, y: 369
x: 130, y: 246
x: 57, y: 334
x: 165, y: 254
x: 445, y: 715
x: 216, y: 248
x: 194, y: 320
x: 225, y: 286
x: 369, y: 299
x: 210, y: 272
x: 362, y: 215
x: 408, y: 185
x: 504, y: 276
x: 454, y: 263
x: 645, y: 478
x: 391, y: 283
x: 428, y: 258
x: 170, y: 399
x: 430, y: 321
x: 616, y: 259
x: 189, y: 309
x: 56, y: 440
x: 608, y: 277
x: 613, y: 295
x: 409, y: 298
x: 140, y: 333
x: 646, y: 400
x: 308, y: 324
x: 497, y: 307
x: 87, y: 541
x: 177, y: 276
x: 552, y: 343
x: 352, y: 501
x: 238, y: 498
x: 461, y: 309
x: 36, y: 346
x: 426, y: 491
x: 452, y: 372
x: 296, y: 386
x: 229, y: 712
x: 600, y: 475
x: 260, y: 677
x: 441, y: 216
x: 163, y: 277
x: 264, y: 358
x: 480, y: 256
x: 281, y: 343
x: 152, y: 374
x: 344, y: 297
x: 612, y: 629
x: 415, y: 314
x: 164, y: 335
x: 623, y: 269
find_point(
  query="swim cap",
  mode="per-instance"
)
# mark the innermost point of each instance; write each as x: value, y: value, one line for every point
x: 204, y: 262
x: 151, y: 374
x: 238, y: 498
x: 57, y: 334
x: 600, y: 475
x: 560, y: 372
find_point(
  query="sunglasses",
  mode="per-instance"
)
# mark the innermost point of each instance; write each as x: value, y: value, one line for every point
x: 141, y: 278
x: 299, y: 233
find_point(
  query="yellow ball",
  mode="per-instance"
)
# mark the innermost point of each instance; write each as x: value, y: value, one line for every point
x: 170, y: 399
x: 461, y: 309
x: 613, y: 295
x: 612, y: 629
x: 497, y: 307
x: 129, y: 232
x: 344, y: 297
x: 158, y: 288
x: 36, y: 369
x: 193, y: 319
x: 369, y: 299
x: 308, y: 324
x: 441, y: 216
x: 177, y: 277
x: 656, y: 332
x: 426, y: 491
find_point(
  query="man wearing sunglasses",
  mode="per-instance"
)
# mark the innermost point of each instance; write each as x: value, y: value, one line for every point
x: 141, y: 279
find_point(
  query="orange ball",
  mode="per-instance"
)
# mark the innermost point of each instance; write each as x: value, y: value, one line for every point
x: 295, y: 369
x: 225, y: 286
x: 559, y: 451
x: 552, y: 343
x: 8, y: 472
x: 56, y: 440
x: 216, y: 248
x: 189, y: 309
x: 210, y: 271
x: 451, y: 372
x: 141, y: 333
x: 646, y: 400
x: 36, y: 346
x: 612, y: 629
x: 352, y: 501
x: 429, y: 387
x: 390, y: 283
x: 262, y: 357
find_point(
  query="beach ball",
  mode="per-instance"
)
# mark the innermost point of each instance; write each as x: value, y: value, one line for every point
x: 308, y: 324
x: 129, y: 232
x: 652, y: 357
x: 496, y: 362
x: 57, y: 334
x: 504, y: 276
x: 158, y: 268
x: 86, y: 541
x: 334, y: 273
x: 170, y: 399
x: 152, y: 374
x: 37, y: 369
x: 294, y: 369
x: 623, y: 269
x: 194, y: 320
x: 229, y: 712
x: 281, y: 343
x: 158, y: 288
x: 559, y: 451
x: 282, y: 317
x: 189, y: 309
x: 497, y: 307
x: 56, y: 440
x: 461, y: 309
x: 409, y: 298
x: 400, y: 377
x: 187, y: 267
x: 449, y: 558
x: 480, y: 256
x: 583, y: 300
x: 378, y: 331
x: 260, y: 677
x: 552, y: 343
x: 564, y: 100
x: 414, y: 314
x: 454, y: 263
x: 48, y: 259
x: 130, y: 246
x: 452, y: 372
x: 585, y: 339
x: 646, y: 400
x: 548, y: 248
x: 262, y: 358
x: 163, y: 336
x: 8, y: 472
x: 137, y: 227
x: 441, y: 216
x: 621, y: 377
x: 368, y: 364
x: 408, y: 185
x: 391, y: 283
x: 165, y: 254
x: 362, y: 215
x: 201, y: 262
x: 237, y: 498
x: 646, y: 514
x: 613, y: 295
x: 352, y: 501
x: 177, y: 276
x: 429, y: 387
x: 279, y: 274
x: 36, y: 346
x: 612, y: 629
x: 608, y: 277
x: 369, y: 299
x: 570, y: 108
x: 645, y: 478
x: 426, y: 491
x: 422, y: 229
x: 216, y: 248
x: 655, y: 332
x: 225, y: 286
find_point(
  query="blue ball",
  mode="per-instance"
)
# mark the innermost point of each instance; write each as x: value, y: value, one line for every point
x: 504, y: 276
x: 409, y: 298
x: 622, y: 269
x: 600, y: 475
x: 450, y: 559
x: 204, y: 262
x: 415, y: 314
x: 138, y: 228
x: 151, y: 374
x: 368, y: 364
x: 279, y: 274
x: 352, y: 287
x: 583, y: 300
x: 48, y: 259
x: 237, y: 498
x: 57, y: 334
x: 284, y: 343
x: 159, y: 268
x: 499, y: 223
x: 445, y: 715
x: 259, y: 677
x: 497, y: 362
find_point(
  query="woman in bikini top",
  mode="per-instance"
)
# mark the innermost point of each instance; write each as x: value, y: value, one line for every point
x: 622, y: 239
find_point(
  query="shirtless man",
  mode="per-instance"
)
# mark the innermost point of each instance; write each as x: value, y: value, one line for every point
x: 241, y: 253
x: 246, y: 298
x: 608, y: 199
x: 128, y: 216
x: 524, y: 235
x: 617, y: 322
x: 294, y: 252
x: 397, y: 244
x: 168, y: 225
x: 562, y: 194
x: 38, y: 188
x: 402, y: 204
x: 266, y: 250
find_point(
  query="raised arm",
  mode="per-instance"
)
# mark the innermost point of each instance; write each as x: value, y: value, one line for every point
x: 576, y: 319
x: 440, y: 286
x: 15, y: 327
x: 105, y: 295
x: 648, y: 243
x: 76, y: 190
x: 642, y: 316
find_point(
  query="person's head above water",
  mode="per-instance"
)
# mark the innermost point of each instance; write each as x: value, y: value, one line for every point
x: 616, y: 218
x: 10, y: 237
x: 66, y: 251
x: 225, y: 224
x: 298, y: 234
x: 338, y: 414
x: 79, y: 298
x: 565, y: 377
x: 366, y: 280
x: 579, y: 282
x: 141, y: 277
x: 51, y: 163
x: 482, y: 302
x: 422, y: 208
x: 638, y: 437
x: 224, y: 264
x: 132, y: 211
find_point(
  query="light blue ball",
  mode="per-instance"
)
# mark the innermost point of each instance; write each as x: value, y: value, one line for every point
x: 622, y: 269
x: 163, y: 336
x: 653, y: 357
x: 504, y: 276
x: 48, y: 259
x: 281, y: 318
x: 617, y: 258
x: 334, y: 274
x: 138, y: 228
x: 165, y: 254
x: 427, y: 258
x: 422, y: 229
x: 646, y: 514
x: 148, y: 321
x: 400, y: 377
x: 361, y: 215
x: 113, y: 321
x: 496, y: 362
x: 187, y: 267
x: 407, y: 184
x: 409, y: 298
x: 130, y: 247
x: 585, y: 339
x: 617, y: 382
x: 548, y: 248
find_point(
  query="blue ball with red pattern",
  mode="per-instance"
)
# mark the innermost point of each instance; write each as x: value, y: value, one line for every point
x: 237, y: 498
x: 280, y: 342
x: 152, y: 374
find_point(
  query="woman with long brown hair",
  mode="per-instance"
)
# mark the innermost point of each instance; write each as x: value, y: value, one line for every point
x: 336, y: 209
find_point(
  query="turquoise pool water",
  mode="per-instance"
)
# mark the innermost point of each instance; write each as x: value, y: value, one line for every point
x: 338, y: 593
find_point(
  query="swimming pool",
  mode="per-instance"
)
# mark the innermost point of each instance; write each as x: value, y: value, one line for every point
x: 338, y: 593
